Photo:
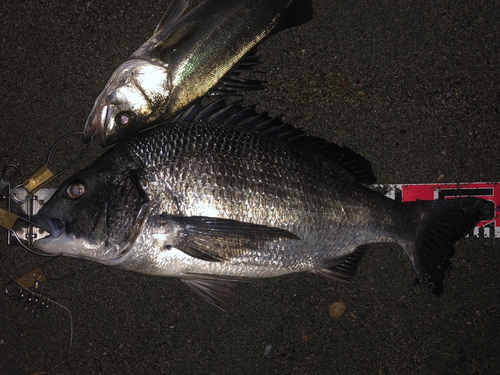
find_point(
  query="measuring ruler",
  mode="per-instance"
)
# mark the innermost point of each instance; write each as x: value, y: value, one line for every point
x: 489, y: 191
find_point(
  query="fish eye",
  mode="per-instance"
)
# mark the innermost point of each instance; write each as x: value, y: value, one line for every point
x: 75, y: 190
x: 124, y: 119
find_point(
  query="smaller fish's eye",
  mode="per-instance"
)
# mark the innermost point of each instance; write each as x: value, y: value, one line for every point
x: 124, y: 119
x: 75, y: 190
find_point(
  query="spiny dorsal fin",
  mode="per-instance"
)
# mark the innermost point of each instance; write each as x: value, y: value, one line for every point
x: 247, y: 118
x: 172, y: 14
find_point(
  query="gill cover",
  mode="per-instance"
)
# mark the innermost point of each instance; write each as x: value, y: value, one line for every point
x: 103, y: 209
x: 130, y: 98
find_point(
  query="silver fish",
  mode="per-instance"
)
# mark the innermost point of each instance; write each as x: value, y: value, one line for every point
x: 221, y: 194
x: 185, y: 58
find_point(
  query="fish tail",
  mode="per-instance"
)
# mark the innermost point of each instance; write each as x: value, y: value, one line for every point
x: 443, y: 222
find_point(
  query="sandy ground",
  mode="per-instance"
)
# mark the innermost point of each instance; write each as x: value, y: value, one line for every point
x: 413, y: 86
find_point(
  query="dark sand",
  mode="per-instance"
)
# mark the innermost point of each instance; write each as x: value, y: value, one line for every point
x: 413, y: 86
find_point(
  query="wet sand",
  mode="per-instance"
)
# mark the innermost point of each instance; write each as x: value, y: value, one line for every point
x: 412, y: 86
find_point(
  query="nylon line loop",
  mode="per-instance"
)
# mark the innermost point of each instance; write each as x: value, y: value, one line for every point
x: 44, y: 175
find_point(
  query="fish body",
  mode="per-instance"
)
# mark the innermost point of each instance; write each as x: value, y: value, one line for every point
x: 185, y: 58
x: 213, y: 203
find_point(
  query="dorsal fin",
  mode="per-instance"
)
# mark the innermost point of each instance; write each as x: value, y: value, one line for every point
x: 174, y: 11
x: 232, y: 83
x: 247, y: 118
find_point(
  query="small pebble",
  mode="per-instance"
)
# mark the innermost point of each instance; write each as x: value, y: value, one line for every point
x: 268, y: 348
x: 346, y: 85
x: 337, y: 309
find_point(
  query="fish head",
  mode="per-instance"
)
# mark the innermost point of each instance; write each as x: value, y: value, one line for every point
x: 96, y: 214
x: 134, y: 97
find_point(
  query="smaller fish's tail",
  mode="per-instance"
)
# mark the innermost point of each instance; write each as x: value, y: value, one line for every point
x: 443, y: 222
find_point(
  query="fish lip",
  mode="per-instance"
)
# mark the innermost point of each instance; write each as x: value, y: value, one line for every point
x: 98, y: 119
x: 53, y: 226
x: 56, y: 229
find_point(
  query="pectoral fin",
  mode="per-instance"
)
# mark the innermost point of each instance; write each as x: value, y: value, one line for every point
x: 172, y: 14
x: 215, y: 239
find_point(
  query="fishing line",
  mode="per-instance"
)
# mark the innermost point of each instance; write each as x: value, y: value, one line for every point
x: 31, y: 185
x: 30, y: 250
x: 35, y: 182
x: 43, y: 175
x: 50, y: 301
x: 39, y: 279
x: 74, y: 161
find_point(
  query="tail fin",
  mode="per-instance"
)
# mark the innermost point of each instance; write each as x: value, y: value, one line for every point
x: 443, y: 223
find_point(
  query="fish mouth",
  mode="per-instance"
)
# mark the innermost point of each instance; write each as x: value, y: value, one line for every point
x: 97, y: 123
x: 56, y: 229
x: 53, y: 226
x: 62, y: 242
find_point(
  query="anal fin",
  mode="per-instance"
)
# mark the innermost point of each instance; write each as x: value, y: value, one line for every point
x: 344, y: 269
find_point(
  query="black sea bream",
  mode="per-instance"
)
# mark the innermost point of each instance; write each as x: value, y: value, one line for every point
x: 221, y: 194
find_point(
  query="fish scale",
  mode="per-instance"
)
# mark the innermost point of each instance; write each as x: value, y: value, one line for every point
x: 200, y: 148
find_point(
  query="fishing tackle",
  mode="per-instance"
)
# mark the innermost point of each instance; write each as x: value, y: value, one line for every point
x: 23, y: 203
x: 20, y: 291
x: 44, y: 175
x: 7, y: 218
x: 27, y: 288
x: 25, y: 291
x: 35, y: 302
x: 8, y: 171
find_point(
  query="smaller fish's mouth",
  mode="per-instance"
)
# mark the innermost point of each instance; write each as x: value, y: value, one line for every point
x: 96, y: 123
x: 53, y: 226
